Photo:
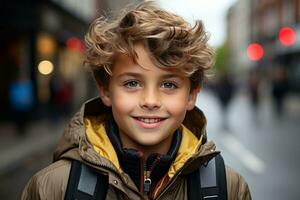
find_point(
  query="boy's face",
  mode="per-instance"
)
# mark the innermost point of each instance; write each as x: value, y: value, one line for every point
x: 148, y: 103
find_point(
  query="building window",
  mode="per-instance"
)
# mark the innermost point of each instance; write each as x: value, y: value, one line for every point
x: 288, y: 13
x: 270, y: 21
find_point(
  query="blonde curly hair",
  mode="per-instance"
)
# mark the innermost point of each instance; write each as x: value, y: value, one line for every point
x: 169, y: 39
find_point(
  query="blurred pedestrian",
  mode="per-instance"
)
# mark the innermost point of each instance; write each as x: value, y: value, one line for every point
x: 21, y: 102
x: 224, y: 89
x: 253, y: 88
x: 63, y: 98
x: 61, y: 95
x: 280, y: 87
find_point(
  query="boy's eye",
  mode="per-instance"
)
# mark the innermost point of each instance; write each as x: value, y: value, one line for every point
x: 132, y: 84
x: 169, y: 85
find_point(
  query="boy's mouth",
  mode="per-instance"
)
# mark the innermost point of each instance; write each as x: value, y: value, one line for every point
x: 149, y: 120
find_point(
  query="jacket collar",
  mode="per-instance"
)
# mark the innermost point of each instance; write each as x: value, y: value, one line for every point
x: 133, y: 162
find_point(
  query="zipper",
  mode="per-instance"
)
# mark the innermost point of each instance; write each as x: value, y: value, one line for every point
x: 147, y: 180
x: 142, y: 169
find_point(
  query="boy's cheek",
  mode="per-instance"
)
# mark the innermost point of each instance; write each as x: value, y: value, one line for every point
x: 123, y: 103
x: 176, y: 106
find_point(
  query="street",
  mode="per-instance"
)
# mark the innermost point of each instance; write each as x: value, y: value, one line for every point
x: 259, y: 145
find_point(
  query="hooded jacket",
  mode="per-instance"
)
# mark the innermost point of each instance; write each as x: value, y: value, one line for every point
x: 86, y: 140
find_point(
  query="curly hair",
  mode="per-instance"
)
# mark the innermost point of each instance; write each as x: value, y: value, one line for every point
x: 169, y: 39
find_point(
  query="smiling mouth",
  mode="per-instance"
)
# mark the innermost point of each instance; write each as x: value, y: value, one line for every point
x: 149, y: 120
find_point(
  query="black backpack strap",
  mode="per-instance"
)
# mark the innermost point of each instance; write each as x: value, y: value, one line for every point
x: 85, y: 184
x: 221, y: 177
x: 209, y: 182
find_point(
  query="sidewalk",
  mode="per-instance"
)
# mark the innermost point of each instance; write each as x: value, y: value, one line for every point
x: 15, y: 149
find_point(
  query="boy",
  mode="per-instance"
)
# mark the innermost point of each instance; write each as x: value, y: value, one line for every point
x: 144, y: 133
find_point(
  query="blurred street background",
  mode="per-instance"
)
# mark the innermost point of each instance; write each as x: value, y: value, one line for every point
x: 251, y: 100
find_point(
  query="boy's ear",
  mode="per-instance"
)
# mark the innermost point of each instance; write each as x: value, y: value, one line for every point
x: 104, y: 95
x: 192, y: 98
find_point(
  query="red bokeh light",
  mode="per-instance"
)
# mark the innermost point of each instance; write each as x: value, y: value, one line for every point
x: 75, y: 44
x: 287, y: 36
x: 255, y: 51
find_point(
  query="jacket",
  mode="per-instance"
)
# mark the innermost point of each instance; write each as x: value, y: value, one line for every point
x: 86, y: 140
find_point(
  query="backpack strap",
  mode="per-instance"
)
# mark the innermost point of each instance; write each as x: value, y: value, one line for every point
x: 209, y: 182
x: 85, y: 184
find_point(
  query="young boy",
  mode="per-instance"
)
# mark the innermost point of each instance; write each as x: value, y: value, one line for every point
x: 144, y: 132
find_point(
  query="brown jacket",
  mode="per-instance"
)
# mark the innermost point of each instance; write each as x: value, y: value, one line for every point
x: 85, y: 140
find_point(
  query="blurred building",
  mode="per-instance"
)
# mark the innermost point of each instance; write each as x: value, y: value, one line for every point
x: 268, y: 18
x: 263, y: 22
x: 238, y: 37
x: 42, y: 48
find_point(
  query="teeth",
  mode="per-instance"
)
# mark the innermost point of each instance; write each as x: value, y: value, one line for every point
x: 149, y: 120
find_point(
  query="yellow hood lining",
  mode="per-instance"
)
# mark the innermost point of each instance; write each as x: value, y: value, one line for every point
x: 97, y: 136
x: 188, y: 147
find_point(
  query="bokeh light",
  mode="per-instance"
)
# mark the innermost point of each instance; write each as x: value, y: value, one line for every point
x: 255, y: 51
x: 45, y: 67
x: 287, y: 36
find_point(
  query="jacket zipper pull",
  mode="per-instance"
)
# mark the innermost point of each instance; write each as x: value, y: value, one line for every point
x: 147, y: 185
x: 147, y: 182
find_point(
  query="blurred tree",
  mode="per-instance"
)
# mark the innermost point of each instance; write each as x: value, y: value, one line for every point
x: 222, y: 54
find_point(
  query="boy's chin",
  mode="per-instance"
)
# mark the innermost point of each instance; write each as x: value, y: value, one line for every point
x: 148, y: 143
x: 155, y: 143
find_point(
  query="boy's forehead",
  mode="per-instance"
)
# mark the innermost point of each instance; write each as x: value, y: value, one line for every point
x: 125, y: 65
x: 143, y: 69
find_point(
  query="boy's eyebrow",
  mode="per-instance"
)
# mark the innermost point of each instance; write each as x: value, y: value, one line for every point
x: 129, y: 74
x: 140, y: 75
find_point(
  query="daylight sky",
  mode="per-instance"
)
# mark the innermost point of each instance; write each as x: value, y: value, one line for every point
x: 211, y: 12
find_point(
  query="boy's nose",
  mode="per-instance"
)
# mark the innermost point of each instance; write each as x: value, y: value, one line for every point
x: 150, y: 99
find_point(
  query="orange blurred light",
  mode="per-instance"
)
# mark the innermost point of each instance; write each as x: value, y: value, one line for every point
x: 287, y: 36
x: 255, y: 51
x: 46, y: 45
